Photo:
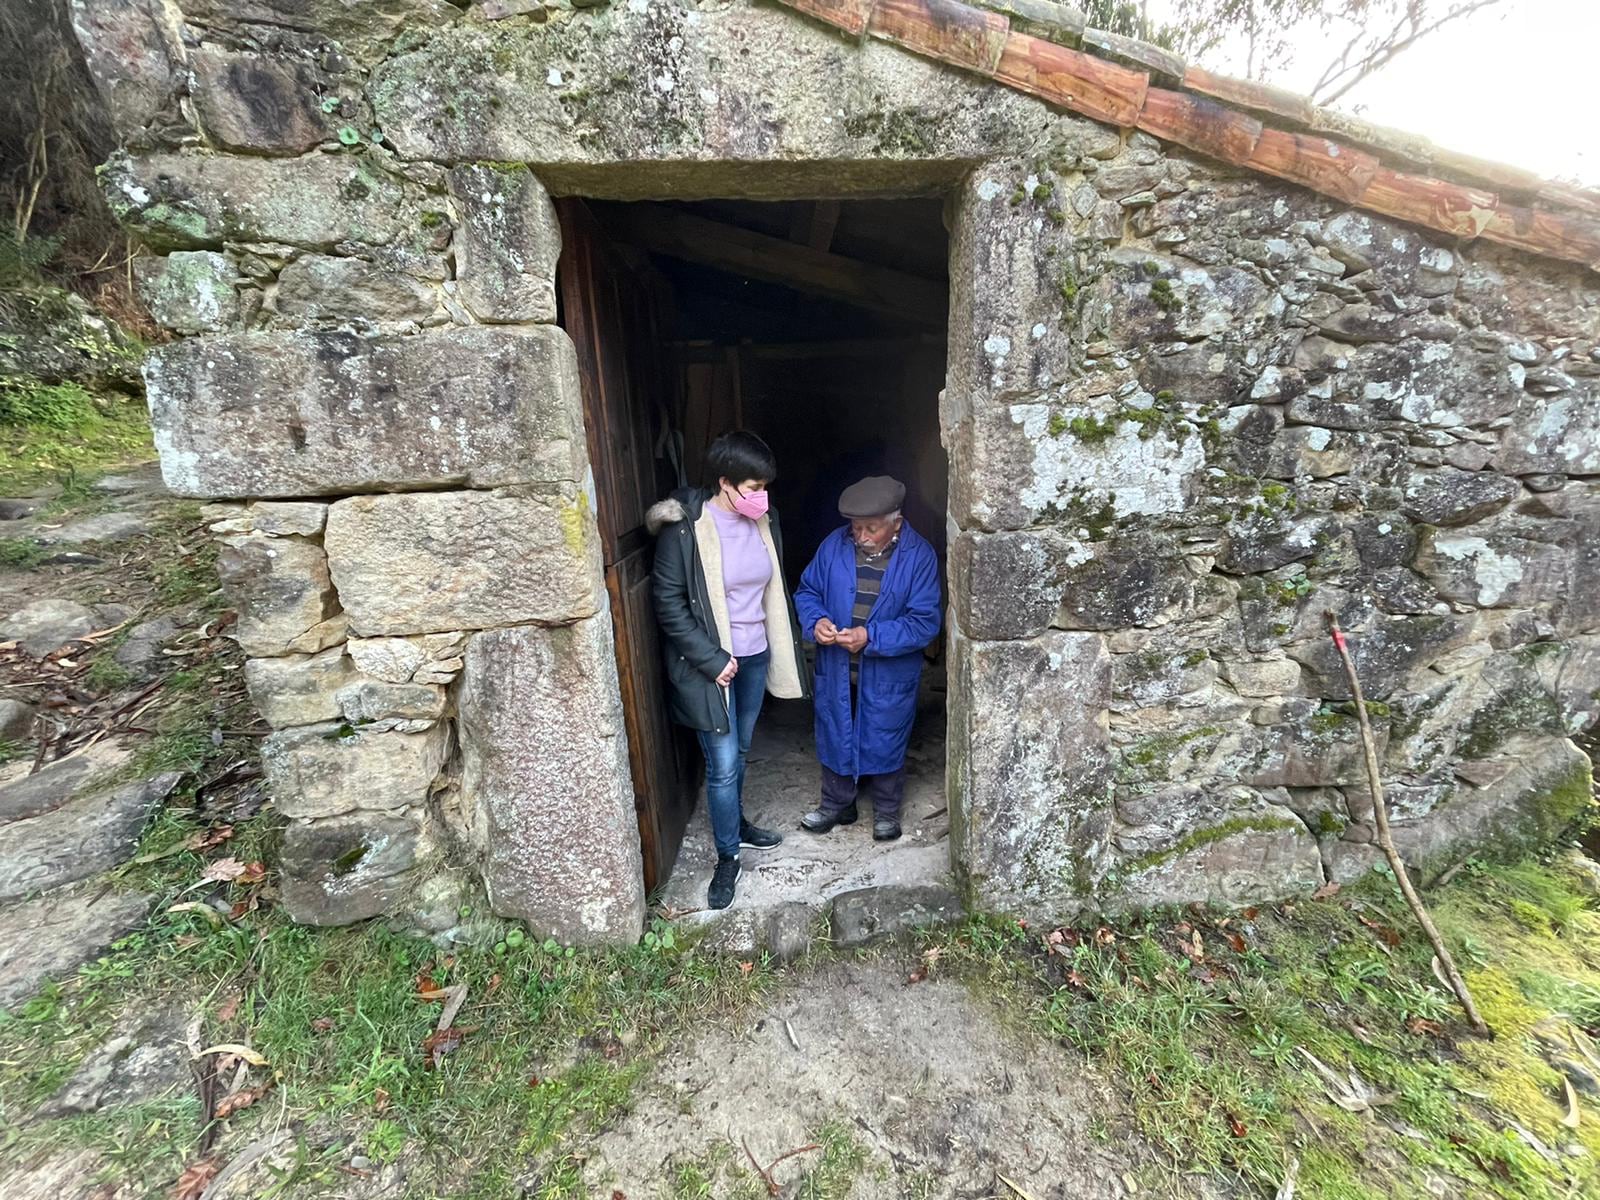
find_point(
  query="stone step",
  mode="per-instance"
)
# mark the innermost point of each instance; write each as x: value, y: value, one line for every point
x: 51, y: 936
x: 788, y: 929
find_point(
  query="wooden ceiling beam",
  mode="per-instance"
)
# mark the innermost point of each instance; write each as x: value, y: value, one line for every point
x: 814, y: 224
x: 753, y: 255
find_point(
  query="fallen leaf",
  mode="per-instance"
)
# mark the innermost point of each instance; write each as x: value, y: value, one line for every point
x: 1250, y: 914
x: 616, y: 1195
x: 1326, y: 892
x: 254, y: 1058
x: 1290, y: 1178
x: 1423, y: 1025
x: 1572, y: 1118
x: 254, y: 872
x: 1237, y: 942
x: 1016, y: 1188
x: 192, y: 1183
x: 494, y: 984
x: 240, y: 1100
x: 1352, y: 1094
x: 455, y: 997
x: 205, y: 910
x: 1238, y: 1127
x: 322, y: 1024
x: 1076, y: 979
x: 1104, y: 937
x: 224, y: 870
x: 229, y: 1009
x: 215, y: 836
x: 918, y: 975
x: 444, y: 1041
x: 746, y: 967
x: 1055, y: 937
x: 380, y: 1098
x: 1388, y: 936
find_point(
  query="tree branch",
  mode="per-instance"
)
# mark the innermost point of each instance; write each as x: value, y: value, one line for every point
x: 1388, y: 49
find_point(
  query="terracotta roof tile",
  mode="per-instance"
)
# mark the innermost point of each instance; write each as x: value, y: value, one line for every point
x: 1432, y: 203
x: 1200, y: 124
x: 1361, y: 164
x: 1246, y: 93
x: 1078, y: 81
x: 1315, y: 162
x: 951, y: 32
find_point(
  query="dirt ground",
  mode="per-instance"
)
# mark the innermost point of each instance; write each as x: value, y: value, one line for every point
x: 909, y: 1090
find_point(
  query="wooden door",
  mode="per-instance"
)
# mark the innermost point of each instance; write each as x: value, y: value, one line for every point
x: 609, y: 308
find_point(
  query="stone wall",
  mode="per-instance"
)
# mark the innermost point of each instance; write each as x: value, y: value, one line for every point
x: 1202, y: 411
x: 372, y: 384
x: 1187, y: 412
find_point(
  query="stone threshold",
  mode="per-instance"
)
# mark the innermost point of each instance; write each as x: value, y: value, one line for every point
x: 840, y: 886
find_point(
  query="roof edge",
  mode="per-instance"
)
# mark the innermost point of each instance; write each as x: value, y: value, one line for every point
x: 1047, y: 50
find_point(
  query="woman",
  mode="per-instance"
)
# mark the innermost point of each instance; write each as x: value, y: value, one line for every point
x: 730, y: 630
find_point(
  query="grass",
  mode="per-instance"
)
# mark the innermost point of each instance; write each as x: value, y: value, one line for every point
x: 1209, y: 1052
x: 53, y: 431
x: 558, y: 1038
x: 21, y: 553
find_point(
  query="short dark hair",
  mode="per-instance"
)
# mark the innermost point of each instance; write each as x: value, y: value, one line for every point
x: 739, y: 456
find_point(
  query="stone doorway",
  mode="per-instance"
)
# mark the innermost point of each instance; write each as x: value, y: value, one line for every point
x: 822, y: 326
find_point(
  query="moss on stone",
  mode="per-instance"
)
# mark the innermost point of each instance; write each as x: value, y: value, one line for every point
x: 1279, y: 496
x: 1156, y: 749
x: 1163, y: 297
x: 1200, y: 838
x: 175, y: 220
x: 1091, y: 431
x: 1565, y: 800
x: 1523, y: 707
x: 1330, y: 824
x: 900, y: 131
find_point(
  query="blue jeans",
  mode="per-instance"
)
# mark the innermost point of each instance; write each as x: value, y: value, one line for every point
x: 726, y: 752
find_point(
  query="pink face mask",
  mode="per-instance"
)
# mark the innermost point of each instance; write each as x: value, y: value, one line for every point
x: 753, y: 506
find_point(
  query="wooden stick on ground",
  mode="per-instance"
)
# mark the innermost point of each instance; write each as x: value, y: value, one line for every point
x: 1380, y: 814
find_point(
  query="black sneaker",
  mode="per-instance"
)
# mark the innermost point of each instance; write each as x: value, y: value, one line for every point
x: 720, y: 894
x: 757, y: 838
x: 885, y: 831
x: 817, y: 821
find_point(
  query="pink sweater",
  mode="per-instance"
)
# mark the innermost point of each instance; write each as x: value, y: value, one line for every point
x: 746, y: 571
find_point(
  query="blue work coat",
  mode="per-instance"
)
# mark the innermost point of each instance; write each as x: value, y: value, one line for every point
x: 872, y: 740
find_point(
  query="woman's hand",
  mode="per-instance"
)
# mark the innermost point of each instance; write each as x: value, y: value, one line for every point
x: 825, y: 633
x: 728, y: 672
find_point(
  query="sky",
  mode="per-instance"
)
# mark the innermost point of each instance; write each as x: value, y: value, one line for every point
x: 1518, y: 83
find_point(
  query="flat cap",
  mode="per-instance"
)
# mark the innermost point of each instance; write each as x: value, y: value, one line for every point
x: 874, y: 496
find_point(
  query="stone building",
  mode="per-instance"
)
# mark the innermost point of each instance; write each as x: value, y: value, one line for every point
x: 1215, y: 362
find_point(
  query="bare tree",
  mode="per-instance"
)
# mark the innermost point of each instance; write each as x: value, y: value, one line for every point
x: 1369, y: 34
x: 1366, y: 51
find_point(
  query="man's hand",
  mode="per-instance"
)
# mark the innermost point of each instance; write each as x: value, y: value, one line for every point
x: 853, y: 640
x: 728, y: 672
x: 825, y: 633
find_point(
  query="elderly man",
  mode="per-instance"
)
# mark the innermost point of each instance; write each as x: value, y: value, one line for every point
x: 870, y: 601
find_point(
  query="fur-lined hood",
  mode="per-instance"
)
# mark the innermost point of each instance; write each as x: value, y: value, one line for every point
x: 685, y: 504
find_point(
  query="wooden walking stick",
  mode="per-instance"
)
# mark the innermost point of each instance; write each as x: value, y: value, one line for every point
x: 1380, y: 814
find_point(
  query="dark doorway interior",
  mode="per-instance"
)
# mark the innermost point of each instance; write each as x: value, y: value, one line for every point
x: 820, y: 325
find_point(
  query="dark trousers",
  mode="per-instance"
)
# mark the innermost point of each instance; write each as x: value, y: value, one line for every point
x: 839, y: 792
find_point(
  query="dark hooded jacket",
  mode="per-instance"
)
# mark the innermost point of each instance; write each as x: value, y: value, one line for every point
x: 692, y: 612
